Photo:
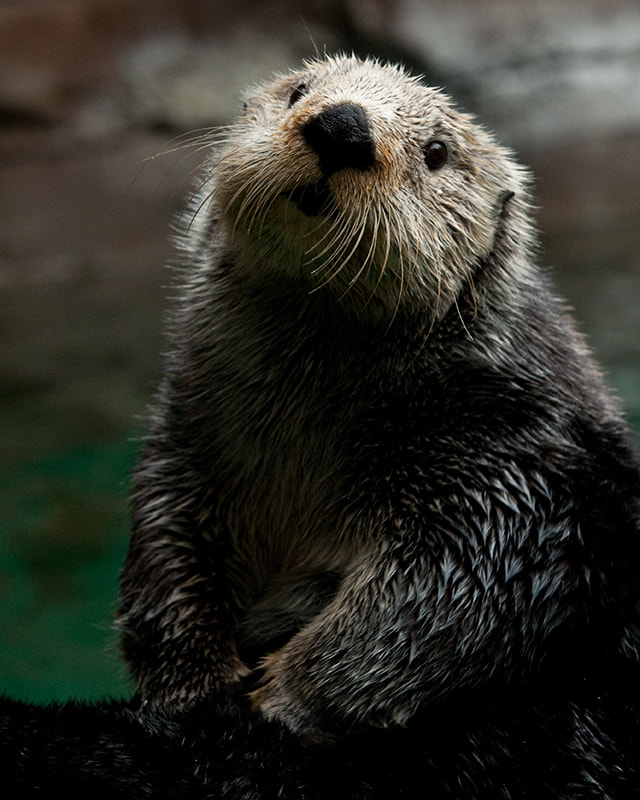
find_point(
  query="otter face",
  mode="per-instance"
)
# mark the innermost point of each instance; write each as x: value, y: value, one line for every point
x: 359, y: 178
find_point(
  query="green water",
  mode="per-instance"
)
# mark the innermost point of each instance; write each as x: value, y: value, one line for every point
x: 62, y: 541
x: 78, y: 363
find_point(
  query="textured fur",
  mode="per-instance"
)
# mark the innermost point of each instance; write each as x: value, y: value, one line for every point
x: 382, y: 470
x: 547, y: 740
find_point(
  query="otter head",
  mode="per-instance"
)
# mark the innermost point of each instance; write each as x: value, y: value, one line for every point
x: 361, y: 180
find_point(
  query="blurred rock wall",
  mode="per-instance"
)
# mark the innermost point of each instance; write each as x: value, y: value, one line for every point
x: 535, y: 70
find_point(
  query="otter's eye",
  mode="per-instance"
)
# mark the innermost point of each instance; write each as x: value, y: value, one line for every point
x: 297, y: 93
x: 435, y: 155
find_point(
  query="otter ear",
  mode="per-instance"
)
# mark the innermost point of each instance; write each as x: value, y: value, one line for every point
x: 504, y: 199
x: 502, y: 231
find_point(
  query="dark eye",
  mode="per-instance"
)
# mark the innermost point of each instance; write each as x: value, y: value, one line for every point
x: 435, y: 155
x: 297, y: 93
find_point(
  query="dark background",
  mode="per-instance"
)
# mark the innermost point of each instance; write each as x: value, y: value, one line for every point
x: 91, y: 93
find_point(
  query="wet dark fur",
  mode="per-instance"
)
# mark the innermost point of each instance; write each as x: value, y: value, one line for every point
x: 389, y: 510
x: 548, y: 740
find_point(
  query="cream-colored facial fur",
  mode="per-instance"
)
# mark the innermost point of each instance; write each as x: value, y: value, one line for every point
x: 400, y: 231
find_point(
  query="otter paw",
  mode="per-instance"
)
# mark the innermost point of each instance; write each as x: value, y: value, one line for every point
x: 276, y: 699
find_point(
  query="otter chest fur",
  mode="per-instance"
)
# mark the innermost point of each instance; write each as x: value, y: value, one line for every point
x: 382, y: 466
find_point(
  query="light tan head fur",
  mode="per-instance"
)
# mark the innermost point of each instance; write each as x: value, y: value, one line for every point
x: 398, y: 231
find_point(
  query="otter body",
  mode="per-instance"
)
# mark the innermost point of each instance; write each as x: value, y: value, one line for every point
x: 382, y: 466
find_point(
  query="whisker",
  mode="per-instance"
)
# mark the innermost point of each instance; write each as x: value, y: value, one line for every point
x: 336, y: 226
x: 472, y: 292
x: 274, y: 187
x: 208, y: 197
x: 460, y: 317
x: 342, y: 235
x: 436, y: 305
x: 361, y: 228
x: 366, y: 261
x: 344, y: 241
x: 401, y: 245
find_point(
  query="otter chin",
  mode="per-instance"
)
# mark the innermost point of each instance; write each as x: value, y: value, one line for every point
x: 313, y: 199
x: 382, y: 468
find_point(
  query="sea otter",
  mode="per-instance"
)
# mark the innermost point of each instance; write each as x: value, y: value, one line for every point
x: 382, y: 467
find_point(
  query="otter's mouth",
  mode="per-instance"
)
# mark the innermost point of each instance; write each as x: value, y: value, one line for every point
x: 313, y: 199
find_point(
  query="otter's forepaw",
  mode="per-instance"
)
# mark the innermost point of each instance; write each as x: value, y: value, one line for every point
x: 277, y: 699
x: 171, y: 693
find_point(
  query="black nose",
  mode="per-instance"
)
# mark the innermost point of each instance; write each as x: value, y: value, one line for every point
x: 341, y: 138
